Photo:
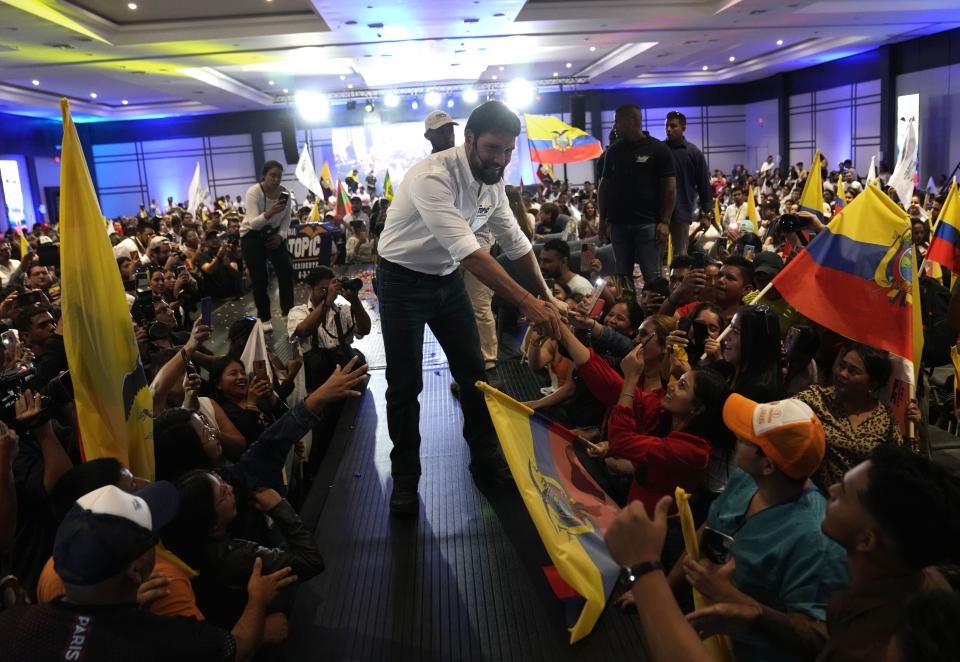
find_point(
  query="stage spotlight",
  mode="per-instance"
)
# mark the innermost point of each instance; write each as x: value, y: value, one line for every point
x: 432, y: 99
x: 391, y: 100
x: 519, y: 93
x: 414, y: 104
x: 368, y: 107
x: 470, y: 96
x: 351, y: 105
x: 312, y: 106
x: 449, y: 103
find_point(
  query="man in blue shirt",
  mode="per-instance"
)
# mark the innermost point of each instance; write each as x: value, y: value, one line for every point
x: 770, y: 514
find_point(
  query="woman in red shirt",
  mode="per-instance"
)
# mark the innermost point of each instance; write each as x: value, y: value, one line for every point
x: 667, y: 436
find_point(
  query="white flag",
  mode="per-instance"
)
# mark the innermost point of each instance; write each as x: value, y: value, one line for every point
x: 197, y: 195
x: 932, y: 186
x: 256, y: 350
x: 903, y: 175
x: 872, y: 170
x: 306, y: 175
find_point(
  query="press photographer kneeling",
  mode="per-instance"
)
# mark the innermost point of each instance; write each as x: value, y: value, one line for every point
x: 325, y: 328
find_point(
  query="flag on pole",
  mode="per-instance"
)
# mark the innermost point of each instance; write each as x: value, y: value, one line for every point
x: 344, y: 206
x: 720, y: 646
x: 905, y: 173
x: 553, y: 141
x: 114, y: 405
x: 841, y: 196
x: 197, y: 194
x: 752, y: 214
x: 858, y: 277
x: 24, y: 246
x: 717, y: 218
x: 388, y: 187
x: 872, y: 170
x: 306, y: 174
x: 945, y: 245
x: 811, y: 199
x: 568, y: 508
x: 326, y: 180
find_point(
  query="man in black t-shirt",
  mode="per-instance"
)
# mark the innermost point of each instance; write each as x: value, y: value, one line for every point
x: 638, y: 191
x: 104, y: 550
x: 218, y: 264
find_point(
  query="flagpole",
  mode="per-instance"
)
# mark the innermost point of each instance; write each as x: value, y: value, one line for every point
x: 729, y: 328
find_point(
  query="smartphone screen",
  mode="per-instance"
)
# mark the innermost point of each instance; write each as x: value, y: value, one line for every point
x: 260, y: 369
x: 699, y: 260
x: 588, y: 252
x: 206, y: 311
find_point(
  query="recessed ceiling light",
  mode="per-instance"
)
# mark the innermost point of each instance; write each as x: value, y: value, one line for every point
x: 342, y: 77
x: 593, y: 48
x: 732, y: 58
x: 132, y: 6
x: 779, y: 42
x: 93, y: 95
x: 500, y: 68
x: 494, y: 76
x: 556, y: 73
x: 350, y: 86
x: 286, y: 91
x: 35, y: 81
x: 704, y: 67
x: 124, y: 102
x: 269, y: 82
x: 568, y: 65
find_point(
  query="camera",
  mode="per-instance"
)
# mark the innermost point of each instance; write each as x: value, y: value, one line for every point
x: 792, y: 222
x: 354, y: 284
x: 29, y: 298
x: 14, y: 381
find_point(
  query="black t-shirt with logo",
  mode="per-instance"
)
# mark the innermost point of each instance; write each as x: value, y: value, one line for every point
x: 118, y: 633
x: 633, y: 171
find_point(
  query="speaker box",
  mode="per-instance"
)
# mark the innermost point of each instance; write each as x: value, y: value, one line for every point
x: 288, y: 136
x: 578, y: 111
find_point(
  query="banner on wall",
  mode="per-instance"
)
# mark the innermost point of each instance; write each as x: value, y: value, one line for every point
x: 315, y: 244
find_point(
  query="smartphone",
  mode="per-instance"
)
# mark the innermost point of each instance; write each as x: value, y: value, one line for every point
x: 715, y: 545
x: 596, y: 299
x: 749, y: 251
x: 698, y: 334
x: 260, y: 369
x: 181, y: 270
x: 10, y: 342
x: 29, y: 298
x: 134, y: 255
x: 143, y: 283
x: 683, y: 324
x: 187, y: 363
x: 699, y: 260
x: 588, y: 252
x: 284, y: 196
x: 550, y: 282
x: 206, y: 311
x: 790, y: 340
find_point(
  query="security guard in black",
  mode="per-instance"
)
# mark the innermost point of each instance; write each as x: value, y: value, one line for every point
x: 633, y: 170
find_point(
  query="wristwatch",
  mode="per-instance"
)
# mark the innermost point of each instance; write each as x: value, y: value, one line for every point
x: 631, y: 573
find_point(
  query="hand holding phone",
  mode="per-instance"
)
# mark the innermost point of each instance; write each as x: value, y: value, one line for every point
x: 260, y: 370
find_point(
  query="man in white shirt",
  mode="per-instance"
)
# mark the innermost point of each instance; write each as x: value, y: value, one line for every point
x: 321, y: 325
x: 137, y: 243
x: 555, y: 263
x: 736, y: 211
x: 428, y: 233
x: 766, y: 165
x: 8, y: 267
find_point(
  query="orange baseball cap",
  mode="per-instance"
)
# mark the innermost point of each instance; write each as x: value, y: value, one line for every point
x: 787, y: 431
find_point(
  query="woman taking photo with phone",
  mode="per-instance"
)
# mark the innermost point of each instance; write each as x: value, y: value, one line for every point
x: 263, y: 235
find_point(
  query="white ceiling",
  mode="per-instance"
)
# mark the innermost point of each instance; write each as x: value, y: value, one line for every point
x: 202, y: 56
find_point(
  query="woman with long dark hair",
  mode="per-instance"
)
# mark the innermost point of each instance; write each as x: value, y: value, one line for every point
x: 263, y: 235
x: 751, y: 352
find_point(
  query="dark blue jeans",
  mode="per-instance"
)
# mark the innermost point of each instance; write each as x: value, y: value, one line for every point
x: 256, y: 254
x: 408, y: 301
x: 636, y: 243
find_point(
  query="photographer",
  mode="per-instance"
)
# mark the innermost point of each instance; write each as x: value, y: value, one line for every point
x: 325, y: 328
x: 263, y: 235
x: 221, y: 273
x: 44, y: 337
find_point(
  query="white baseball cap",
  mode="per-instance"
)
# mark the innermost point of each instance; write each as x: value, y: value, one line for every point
x: 437, y: 119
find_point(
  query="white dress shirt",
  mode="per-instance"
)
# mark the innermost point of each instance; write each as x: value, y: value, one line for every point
x: 327, y: 337
x: 431, y: 224
x: 734, y: 214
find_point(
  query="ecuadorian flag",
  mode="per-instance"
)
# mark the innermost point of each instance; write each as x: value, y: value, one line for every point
x: 114, y: 405
x: 552, y: 141
x: 945, y: 245
x: 857, y: 276
x: 571, y: 512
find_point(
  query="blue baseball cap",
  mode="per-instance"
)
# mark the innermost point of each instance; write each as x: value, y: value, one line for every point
x: 107, y: 529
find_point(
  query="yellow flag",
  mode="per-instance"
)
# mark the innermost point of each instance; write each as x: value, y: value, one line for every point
x: 388, y: 187
x: 719, y: 646
x: 114, y: 405
x: 811, y: 199
x: 716, y: 212
x: 315, y: 212
x: 24, y: 246
x: 752, y: 209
